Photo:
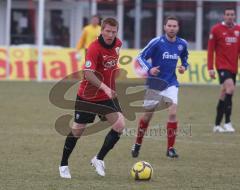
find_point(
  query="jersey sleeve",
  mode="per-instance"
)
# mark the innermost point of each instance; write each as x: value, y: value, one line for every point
x: 184, y: 57
x: 91, y: 58
x: 239, y: 44
x: 211, y: 48
x: 147, y: 53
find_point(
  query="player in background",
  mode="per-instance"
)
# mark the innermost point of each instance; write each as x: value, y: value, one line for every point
x: 90, y: 33
x: 97, y: 88
x: 223, y: 50
x: 163, y: 52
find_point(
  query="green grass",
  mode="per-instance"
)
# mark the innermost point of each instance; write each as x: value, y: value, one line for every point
x: 31, y: 148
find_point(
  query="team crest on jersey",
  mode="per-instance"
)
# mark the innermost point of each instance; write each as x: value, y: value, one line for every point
x: 88, y: 64
x: 236, y: 32
x: 180, y: 47
x: 117, y: 50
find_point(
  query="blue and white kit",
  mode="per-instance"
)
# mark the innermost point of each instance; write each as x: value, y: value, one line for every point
x: 165, y: 54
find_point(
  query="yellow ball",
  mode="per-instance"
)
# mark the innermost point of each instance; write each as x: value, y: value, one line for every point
x: 142, y: 171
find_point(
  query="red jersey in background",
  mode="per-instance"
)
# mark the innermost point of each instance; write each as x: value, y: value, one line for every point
x: 225, y: 42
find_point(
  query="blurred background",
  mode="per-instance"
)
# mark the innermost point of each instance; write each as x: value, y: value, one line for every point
x: 140, y: 20
x: 38, y: 41
x: 38, y: 38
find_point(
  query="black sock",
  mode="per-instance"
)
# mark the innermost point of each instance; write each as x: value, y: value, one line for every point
x: 69, y: 145
x: 228, y: 108
x: 110, y: 140
x: 220, y: 112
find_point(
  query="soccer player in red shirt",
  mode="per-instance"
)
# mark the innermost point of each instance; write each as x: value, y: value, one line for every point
x: 224, y: 43
x: 97, y: 88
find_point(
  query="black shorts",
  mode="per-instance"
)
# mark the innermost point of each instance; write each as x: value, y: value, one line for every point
x: 225, y: 74
x: 85, y: 111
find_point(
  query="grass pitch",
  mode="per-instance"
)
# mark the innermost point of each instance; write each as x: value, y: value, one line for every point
x: 31, y: 148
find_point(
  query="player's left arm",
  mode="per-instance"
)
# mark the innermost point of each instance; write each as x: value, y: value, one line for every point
x: 184, y: 60
x: 82, y: 40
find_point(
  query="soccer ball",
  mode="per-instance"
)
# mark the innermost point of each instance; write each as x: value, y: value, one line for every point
x: 142, y: 171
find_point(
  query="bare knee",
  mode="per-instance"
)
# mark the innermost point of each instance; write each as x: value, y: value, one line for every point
x: 172, y: 117
x: 77, y: 129
x: 119, y: 126
x: 172, y: 114
x: 116, y: 120
x: 229, y: 86
x: 230, y: 90
x: 147, y: 116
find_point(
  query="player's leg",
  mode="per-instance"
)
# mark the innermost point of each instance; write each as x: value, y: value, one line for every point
x: 229, y: 87
x: 227, y: 81
x: 171, y: 131
x: 70, y: 142
x: 220, y: 109
x: 116, y: 119
x: 80, y: 120
x: 142, y: 127
x: 172, y: 94
x: 117, y: 122
x: 151, y: 101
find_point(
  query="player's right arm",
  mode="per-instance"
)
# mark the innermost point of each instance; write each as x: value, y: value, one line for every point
x: 93, y: 79
x: 90, y: 72
x: 146, y: 54
x: 211, y: 50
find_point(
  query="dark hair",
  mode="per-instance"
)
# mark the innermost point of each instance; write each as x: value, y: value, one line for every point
x: 96, y: 15
x: 170, y: 18
x: 109, y: 21
x: 229, y: 9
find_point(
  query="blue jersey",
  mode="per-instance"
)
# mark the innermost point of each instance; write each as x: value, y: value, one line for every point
x: 163, y: 53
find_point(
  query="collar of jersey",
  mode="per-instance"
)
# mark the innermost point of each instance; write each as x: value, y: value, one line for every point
x: 165, y: 37
x: 102, y: 42
x: 224, y: 24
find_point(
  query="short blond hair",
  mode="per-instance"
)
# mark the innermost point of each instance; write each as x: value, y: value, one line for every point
x: 110, y: 21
